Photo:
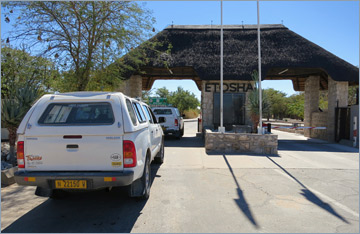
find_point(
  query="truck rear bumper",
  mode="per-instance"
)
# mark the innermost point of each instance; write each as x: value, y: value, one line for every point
x: 94, y: 180
x: 171, y: 131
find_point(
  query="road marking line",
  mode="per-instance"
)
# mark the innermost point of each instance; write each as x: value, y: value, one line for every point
x: 341, y: 206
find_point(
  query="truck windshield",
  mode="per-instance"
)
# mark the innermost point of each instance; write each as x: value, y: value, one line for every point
x: 99, y: 113
x: 162, y: 111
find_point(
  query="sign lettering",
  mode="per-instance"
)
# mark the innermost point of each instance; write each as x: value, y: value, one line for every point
x: 229, y: 87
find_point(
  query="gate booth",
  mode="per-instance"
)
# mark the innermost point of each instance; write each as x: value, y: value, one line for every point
x: 195, y: 55
x: 342, y: 123
x: 234, y: 109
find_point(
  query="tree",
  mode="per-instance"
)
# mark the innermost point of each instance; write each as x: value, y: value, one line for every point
x: 254, y: 102
x: 277, y: 102
x: 183, y: 100
x: 163, y: 92
x: 296, y: 106
x: 145, y: 95
x: 81, y: 36
x: 19, y: 68
x: 353, y: 91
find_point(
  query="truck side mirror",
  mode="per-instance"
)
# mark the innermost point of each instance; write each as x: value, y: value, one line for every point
x: 162, y: 120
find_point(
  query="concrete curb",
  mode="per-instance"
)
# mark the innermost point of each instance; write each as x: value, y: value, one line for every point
x: 190, y: 120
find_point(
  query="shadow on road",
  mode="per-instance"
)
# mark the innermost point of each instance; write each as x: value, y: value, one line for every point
x: 241, y: 202
x: 89, y: 212
x: 310, y: 196
x: 311, y: 145
x: 193, y: 142
x: 240, y: 154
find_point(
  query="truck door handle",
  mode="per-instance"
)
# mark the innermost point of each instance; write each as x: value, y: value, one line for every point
x: 72, y: 146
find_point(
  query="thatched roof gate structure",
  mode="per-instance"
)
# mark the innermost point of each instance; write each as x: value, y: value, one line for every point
x: 195, y: 55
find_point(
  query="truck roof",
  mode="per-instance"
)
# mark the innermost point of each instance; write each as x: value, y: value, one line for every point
x: 84, y: 94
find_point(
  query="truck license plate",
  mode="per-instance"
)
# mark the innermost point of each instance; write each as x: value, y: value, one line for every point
x: 74, y: 184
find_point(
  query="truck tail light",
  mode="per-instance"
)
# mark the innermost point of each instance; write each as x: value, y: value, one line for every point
x: 129, y: 153
x: 20, y: 154
x: 176, y: 122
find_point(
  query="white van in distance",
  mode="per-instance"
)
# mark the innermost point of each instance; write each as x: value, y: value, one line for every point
x: 88, y: 140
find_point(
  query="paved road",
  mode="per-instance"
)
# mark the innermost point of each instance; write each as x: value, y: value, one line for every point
x: 311, y: 186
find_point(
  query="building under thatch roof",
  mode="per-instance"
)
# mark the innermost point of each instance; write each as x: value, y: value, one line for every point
x: 195, y: 54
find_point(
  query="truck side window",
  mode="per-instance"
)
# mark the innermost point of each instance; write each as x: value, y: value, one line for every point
x: 147, y: 113
x: 153, y: 116
x: 177, y: 112
x: 131, y: 112
x: 139, y: 112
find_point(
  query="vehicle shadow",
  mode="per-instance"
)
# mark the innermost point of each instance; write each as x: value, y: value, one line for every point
x: 241, y: 201
x: 185, y: 141
x: 311, y: 145
x: 89, y: 212
x: 310, y: 196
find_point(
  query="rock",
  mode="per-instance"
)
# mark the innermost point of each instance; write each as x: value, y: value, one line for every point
x: 7, y: 176
x: 5, y: 165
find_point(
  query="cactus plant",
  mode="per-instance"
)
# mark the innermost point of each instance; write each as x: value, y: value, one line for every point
x: 13, y: 110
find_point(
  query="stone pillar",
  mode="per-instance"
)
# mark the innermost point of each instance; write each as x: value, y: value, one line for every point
x: 312, y: 87
x: 207, y: 112
x: 132, y: 87
x: 337, y: 97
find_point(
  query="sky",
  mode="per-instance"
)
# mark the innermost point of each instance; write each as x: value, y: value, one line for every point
x: 333, y: 25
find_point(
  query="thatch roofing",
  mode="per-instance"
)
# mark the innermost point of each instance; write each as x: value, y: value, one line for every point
x: 195, y: 54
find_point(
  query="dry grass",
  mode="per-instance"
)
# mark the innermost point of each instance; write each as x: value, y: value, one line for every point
x: 191, y: 114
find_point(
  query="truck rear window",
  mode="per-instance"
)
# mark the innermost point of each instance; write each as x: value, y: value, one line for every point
x: 162, y: 112
x: 77, y: 114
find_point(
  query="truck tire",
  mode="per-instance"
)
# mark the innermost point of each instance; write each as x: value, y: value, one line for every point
x: 159, y: 158
x: 178, y: 135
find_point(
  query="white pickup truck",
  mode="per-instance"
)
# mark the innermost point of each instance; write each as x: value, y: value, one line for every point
x: 88, y: 140
x: 173, y: 123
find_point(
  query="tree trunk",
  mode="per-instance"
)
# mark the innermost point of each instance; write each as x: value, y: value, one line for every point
x: 12, y: 141
x: 255, y: 121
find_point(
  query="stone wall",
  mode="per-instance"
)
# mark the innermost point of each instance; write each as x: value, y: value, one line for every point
x: 132, y: 87
x: 207, y: 102
x: 216, y: 142
x: 319, y: 119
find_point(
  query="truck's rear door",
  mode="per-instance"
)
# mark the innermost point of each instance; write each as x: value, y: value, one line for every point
x: 168, y: 115
x: 75, y: 136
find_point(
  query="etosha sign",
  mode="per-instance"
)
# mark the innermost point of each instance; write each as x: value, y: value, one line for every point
x: 228, y: 87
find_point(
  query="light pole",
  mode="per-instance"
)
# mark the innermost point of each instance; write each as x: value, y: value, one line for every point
x: 221, y: 128
x: 259, y: 56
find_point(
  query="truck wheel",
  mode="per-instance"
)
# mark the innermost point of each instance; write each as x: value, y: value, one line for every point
x: 178, y: 135
x: 159, y: 159
x: 182, y: 132
x: 146, y: 180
